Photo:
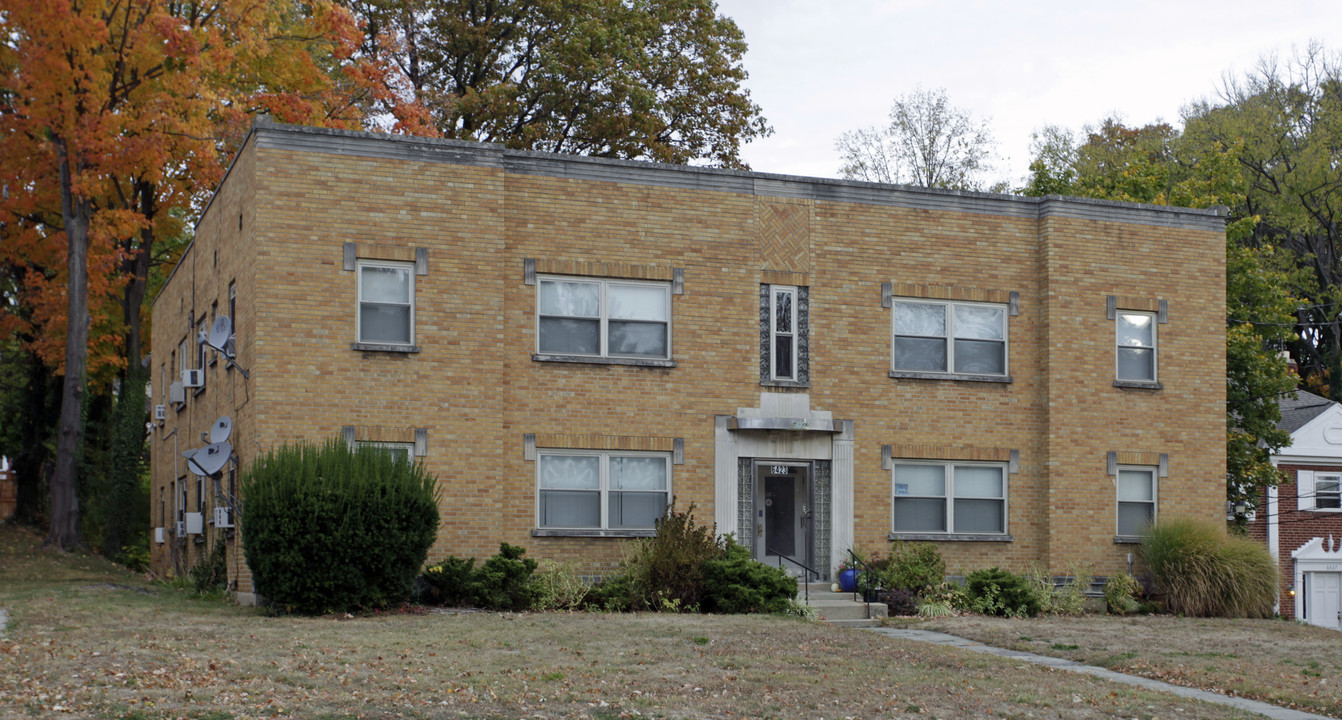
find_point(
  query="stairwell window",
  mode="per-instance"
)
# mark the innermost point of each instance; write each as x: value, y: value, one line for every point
x: 954, y: 338
x: 1136, y: 500
x: 784, y: 336
x: 603, y: 318
x: 1136, y: 342
x: 386, y: 303
x: 598, y: 490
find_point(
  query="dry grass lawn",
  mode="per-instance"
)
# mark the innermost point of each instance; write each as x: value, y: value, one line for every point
x: 1283, y: 663
x: 88, y: 640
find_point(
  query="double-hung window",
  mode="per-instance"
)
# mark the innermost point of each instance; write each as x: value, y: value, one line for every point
x: 1136, y: 340
x: 604, y: 318
x: 783, y: 332
x: 600, y: 490
x: 386, y: 303
x: 1318, y: 490
x: 1136, y: 500
x: 400, y: 451
x: 950, y: 337
x: 950, y: 498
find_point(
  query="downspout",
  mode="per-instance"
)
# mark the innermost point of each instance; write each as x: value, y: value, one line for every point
x: 1273, y: 539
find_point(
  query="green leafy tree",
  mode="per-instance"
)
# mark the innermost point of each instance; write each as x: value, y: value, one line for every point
x: 926, y: 142
x: 649, y: 79
x: 1157, y: 164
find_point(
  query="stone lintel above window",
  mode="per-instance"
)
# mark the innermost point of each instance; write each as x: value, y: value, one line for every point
x: 353, y: 252
x: 598, y: 269
x: 1159, y: 306
x: 588, y: 441
x: 892, y: 290
x: 926, y: 451
x: 418, y: 437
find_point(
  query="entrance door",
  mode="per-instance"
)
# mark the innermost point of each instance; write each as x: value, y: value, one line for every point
x: 783, y: 514
x: 1325, y: 599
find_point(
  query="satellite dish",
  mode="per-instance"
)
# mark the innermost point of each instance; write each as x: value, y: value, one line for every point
x: 220, y: 332
x: 221, y: 429
x: 210, y: 459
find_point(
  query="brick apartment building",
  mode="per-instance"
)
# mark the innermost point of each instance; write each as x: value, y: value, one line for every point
x: 568, y: 343
x: 1301, y: 518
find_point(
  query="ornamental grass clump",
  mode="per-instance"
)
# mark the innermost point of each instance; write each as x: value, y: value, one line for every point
x: 327, y: 529
x: 1205, y: 573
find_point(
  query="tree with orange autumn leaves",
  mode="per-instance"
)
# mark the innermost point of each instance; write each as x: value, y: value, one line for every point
x: 116, y: 120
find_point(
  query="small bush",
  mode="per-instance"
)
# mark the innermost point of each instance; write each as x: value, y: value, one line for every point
x: 559, y: 587
x: 669, y: 567
x: 899, y: 602
x: 504, y: 581
x: 737, y: 583
x: 1205, y: 573
x: 1120, y: 594
x: 1070, y: 598
x: 326, y: 529
x: 210, y: 573
x: 915, y: 567
x: 613, y: 594
x: 450, y: 581
x: 995, y: 591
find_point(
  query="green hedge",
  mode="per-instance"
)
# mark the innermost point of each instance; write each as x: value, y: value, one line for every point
x: 325, y: 529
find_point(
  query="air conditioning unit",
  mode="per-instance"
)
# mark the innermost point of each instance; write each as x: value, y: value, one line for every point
x: 160, y: 412
x: 193, y: 378
x: 179, y: 530
x: 176, y: 393
x: 158, y: 535
x: 195, y: 523
x: 223, y: 517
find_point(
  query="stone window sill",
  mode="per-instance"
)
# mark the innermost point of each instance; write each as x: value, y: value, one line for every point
x: 593, y: 360
x: 950, y: 537
x: 373, y: 347
x: 784, y: 384
x: 1138, y: 384
x: 897, y: 374
x: 1127, y: 540
x: 559, y: 532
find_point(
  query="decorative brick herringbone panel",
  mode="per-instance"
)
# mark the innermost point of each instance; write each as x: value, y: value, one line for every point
x: 784, y: 236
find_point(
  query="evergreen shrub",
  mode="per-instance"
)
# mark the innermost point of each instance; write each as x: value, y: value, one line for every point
x: 994, y: 591
x: 916, y: 567
x: 737, y: 583
x: 327, y: 529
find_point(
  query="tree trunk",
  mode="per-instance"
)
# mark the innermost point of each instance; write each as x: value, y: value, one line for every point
x: 136, y: 266
x: 76, y: 212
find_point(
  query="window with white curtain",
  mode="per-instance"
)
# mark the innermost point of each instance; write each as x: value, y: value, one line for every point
x: 386, y: 303
x: 949, y: 337
x: 603, y: 318
x: 1136, y: 500
x: 949, y: 497
x: 599, y: 490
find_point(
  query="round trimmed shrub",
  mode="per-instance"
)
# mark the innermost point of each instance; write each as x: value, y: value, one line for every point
x: 327, y: 529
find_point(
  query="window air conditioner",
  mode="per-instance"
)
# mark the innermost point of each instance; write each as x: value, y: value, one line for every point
x: 223, y: 517
x: 179, y: 530
x: 176, y: 393
x: 193, y: 378
x: 158, y: 535
x: 195, y: 523
x: 160, y: 412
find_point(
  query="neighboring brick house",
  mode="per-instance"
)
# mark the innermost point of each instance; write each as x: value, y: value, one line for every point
x: 1301, y: 519
x: 570, y: 342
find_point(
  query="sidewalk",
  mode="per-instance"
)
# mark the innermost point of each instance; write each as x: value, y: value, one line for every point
x: 1253, y: 706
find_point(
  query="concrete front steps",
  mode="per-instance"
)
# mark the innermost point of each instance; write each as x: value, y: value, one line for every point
x: 839, y: 609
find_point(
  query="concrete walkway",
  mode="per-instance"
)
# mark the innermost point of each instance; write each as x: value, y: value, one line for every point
x: 1253, y: 706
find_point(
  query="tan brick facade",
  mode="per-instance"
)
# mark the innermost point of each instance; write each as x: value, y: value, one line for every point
x: 490, y: 221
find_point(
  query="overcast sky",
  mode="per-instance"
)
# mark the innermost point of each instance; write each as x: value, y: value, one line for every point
x: 819, y: 68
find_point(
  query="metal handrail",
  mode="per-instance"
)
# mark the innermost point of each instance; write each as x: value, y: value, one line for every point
x: 806, y: 574
x: 868, y: 576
